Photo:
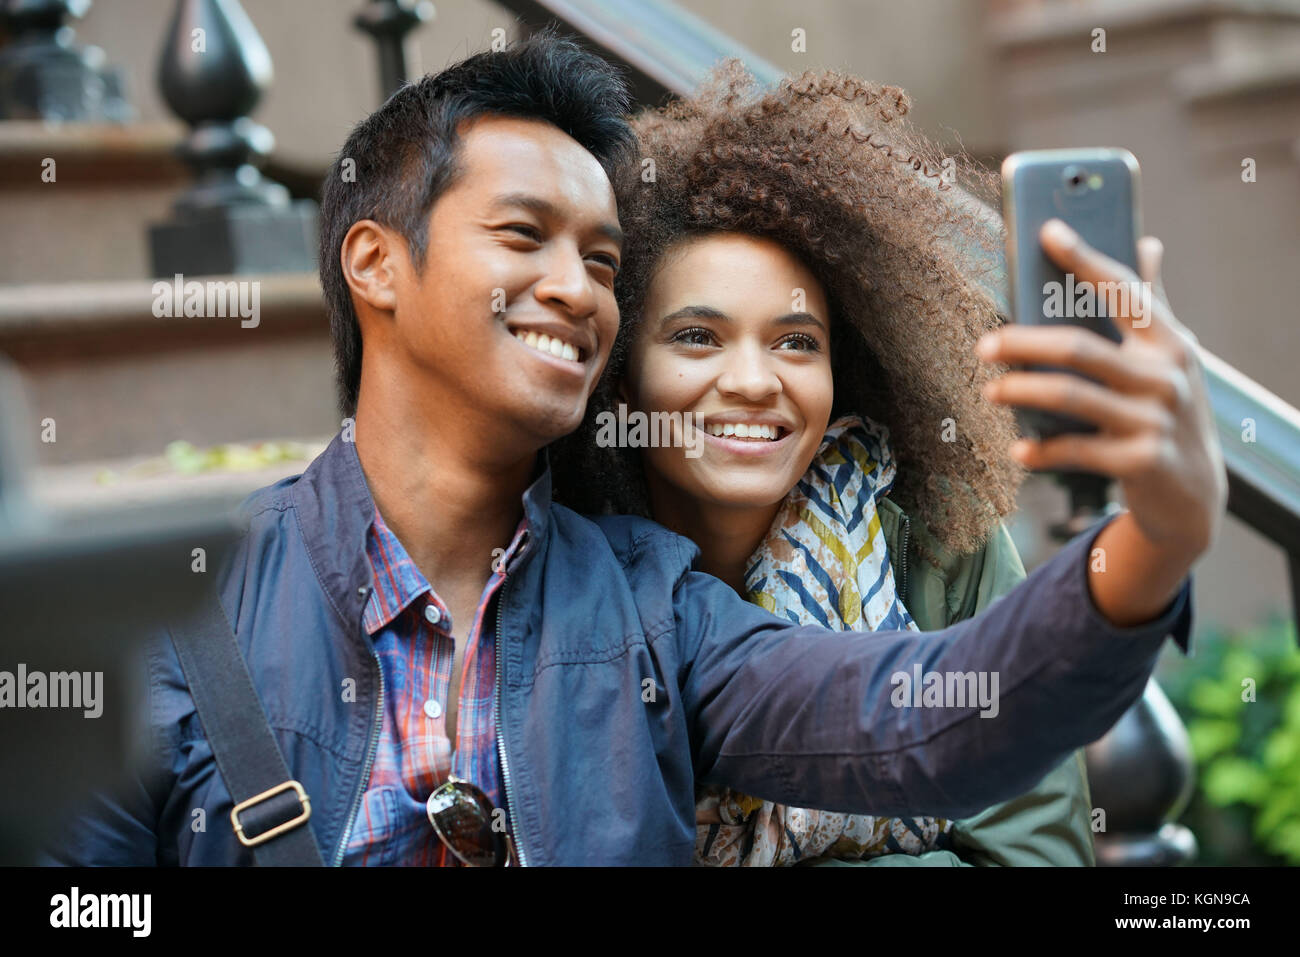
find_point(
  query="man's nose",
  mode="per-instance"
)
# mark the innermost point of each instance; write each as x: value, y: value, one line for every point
x: 567, y: 283
x: 748, y: 372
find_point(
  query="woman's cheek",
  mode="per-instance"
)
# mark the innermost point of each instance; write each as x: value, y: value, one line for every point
x: 679, y: 386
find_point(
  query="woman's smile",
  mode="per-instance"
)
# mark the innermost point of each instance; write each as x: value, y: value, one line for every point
x: 736, y: 331
x: 738, y: 435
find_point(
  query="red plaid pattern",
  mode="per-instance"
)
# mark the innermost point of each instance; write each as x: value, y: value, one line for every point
x: 414, y: 755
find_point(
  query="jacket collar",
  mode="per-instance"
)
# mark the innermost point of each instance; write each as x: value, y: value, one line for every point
x: 336, y: 510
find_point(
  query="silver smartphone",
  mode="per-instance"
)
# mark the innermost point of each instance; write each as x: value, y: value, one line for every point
x: 1095, y: 191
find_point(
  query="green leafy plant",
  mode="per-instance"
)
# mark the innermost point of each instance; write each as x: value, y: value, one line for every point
x: 1239, y: 695
x: 231, y: 457
x: 183, y: 458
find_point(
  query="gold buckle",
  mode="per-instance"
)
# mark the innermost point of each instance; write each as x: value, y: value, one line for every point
x: 279, y: 828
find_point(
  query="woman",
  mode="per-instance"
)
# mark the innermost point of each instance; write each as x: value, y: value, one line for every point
x: 799, y: 275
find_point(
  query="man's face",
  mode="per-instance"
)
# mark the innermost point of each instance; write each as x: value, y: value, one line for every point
x: 512, y: 320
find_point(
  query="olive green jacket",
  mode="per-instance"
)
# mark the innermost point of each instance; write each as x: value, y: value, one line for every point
x: 1052, y: 823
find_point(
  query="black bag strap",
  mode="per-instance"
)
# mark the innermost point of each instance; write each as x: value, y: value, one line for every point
x: 271, y: 810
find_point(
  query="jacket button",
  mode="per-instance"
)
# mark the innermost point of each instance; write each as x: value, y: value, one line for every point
x: 432, y: 708
x: 432, y: 614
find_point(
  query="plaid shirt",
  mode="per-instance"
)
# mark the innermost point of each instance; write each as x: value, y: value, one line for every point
x: 411, y: 629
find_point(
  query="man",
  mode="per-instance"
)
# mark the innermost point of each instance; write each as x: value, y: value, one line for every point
x: 412, y: 608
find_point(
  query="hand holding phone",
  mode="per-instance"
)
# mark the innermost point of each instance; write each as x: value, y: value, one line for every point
x: 1145, y: 398
x: 1095, y: 191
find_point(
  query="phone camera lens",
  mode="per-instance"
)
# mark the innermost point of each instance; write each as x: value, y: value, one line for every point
x: 1076, y: 178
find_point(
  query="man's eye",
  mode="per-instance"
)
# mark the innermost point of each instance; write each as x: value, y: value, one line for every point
x: 525, y: 230
x: 607, y: 260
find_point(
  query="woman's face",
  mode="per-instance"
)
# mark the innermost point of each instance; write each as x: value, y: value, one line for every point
x: 737, y: 331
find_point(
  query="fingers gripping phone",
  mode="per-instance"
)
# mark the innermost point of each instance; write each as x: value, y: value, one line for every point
x: 1095, y: 191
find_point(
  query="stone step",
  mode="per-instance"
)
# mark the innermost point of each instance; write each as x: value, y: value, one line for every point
x: 225, y: 474
x: 78, y: 199
x: 116, y: 380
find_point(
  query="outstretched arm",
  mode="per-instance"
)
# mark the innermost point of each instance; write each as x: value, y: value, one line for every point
x: 1048, y: 825
x: 811, y: 718
x: 1155, y: 435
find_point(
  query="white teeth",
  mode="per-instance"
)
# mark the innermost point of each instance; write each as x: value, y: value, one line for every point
x: 742, y: 430
x: 544, y: 343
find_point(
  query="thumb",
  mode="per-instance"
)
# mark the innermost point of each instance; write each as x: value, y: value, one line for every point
x: 1150, y: 254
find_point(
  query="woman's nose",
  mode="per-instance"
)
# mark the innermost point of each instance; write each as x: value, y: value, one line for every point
x: 748, y: 373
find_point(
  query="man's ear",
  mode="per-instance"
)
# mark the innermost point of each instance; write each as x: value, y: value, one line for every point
x: 370, y: 260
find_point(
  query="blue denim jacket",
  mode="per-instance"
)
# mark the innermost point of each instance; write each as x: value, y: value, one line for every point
x: 625, y: 676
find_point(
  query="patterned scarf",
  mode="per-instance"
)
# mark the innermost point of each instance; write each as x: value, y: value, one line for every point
x: 823, y: 561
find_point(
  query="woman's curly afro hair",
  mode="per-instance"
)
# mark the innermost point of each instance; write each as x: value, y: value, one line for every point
x: 826, y: 166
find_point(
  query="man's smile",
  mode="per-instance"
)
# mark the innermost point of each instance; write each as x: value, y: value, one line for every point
x: 559, y: 344
x: 556, y: 351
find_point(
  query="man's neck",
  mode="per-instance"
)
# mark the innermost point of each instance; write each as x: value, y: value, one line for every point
x: 726, y: 536
x: 449, y: 502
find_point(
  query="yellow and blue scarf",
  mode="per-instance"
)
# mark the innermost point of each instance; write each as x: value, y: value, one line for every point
x: 823, y: 561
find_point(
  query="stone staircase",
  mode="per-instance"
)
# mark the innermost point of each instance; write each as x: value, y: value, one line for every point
x: 109, y: 383
x: 77, y: 318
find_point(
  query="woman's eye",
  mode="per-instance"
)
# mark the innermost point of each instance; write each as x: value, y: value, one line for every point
x: 693, y: 337
x: 806, y: 343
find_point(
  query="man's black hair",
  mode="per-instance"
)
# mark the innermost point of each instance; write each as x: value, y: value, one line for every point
x: 401, y: 158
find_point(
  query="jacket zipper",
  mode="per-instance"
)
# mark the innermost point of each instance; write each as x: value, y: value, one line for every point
x: 501, y: 733
x: 371, y: 747
x: 902, y: 575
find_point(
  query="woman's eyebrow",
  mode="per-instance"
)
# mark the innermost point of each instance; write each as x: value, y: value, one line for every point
x: 695, y: 312
x: 800, y: 319
x: 709, y: 312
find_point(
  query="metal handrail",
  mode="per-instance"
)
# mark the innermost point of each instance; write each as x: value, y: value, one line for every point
x: 1263, y: 472
x: 666, y: 50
